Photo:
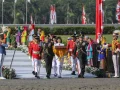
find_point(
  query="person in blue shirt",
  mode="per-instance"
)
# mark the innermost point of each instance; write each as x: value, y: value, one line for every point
x: 2, y: 55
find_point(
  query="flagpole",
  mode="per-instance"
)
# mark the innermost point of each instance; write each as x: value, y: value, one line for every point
x: 14, y: 12
x: 26, y: 11
x: 2, y: 11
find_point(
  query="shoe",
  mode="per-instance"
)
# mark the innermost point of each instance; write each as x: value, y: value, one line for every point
x: 33, y: 72
x: 37, y: 76
x: 73, y: 73
x: 59, y: 77
x: 48, y: 77
x: 115, y: 76
x: 55, y: 75
x: 79, y: 76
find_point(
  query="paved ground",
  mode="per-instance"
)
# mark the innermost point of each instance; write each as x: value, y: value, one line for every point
x: 61, y: 84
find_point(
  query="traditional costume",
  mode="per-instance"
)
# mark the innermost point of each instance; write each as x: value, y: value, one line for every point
x: 32, y: 27
x: 42, y: 36
x: 4, y: 29
x: 8, y: 36
x: 24, y: 36
x: 89, y: 54
x: 18, y: 36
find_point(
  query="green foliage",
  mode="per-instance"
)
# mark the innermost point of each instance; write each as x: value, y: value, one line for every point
x: 70, y: 30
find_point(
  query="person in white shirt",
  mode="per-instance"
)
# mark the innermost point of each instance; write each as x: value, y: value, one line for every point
x: 58, y: 61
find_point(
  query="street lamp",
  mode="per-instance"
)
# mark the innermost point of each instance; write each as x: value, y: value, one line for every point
x: 2, y: 10
x: 27, y: 8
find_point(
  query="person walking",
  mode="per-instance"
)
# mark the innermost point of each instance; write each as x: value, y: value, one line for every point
x: 71, y: 46
x: 36, y: 56
x: 48, y: 56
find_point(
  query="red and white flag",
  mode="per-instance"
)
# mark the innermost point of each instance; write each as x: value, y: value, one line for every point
x: 83, y: 15
x: 53, y: 19
x: 99, y: 19
x: 54, y: 15
x: 51, y: 14
x: 31, y: 19
x: 118, y: 11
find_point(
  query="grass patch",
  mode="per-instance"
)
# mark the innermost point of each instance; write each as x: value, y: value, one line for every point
x: 108, y: 37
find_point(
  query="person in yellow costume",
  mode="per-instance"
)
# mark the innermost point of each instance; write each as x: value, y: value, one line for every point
x: 42, y: 36
x: 24, y: 36
x: 59, y: 56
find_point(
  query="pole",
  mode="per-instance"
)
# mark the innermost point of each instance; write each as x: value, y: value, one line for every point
x: 2, y: 12
x: 14, y: 12
x: 12, y: 58
x: 26, y: 11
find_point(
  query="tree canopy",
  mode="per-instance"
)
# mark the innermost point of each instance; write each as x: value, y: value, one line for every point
x: 68, y: 11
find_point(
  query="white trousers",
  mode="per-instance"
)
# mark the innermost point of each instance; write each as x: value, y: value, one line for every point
x: 1, y: 63
x: 73, y: 63
x: 78, y: 66
x: 116, y: 64
x: 36, y: 65
x: 57, y: 65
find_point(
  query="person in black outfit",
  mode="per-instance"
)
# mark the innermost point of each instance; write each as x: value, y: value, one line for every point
x: 48, y: 55
x: 82, y: 56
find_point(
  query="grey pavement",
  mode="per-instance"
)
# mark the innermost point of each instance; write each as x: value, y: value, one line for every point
x: 61, y: 84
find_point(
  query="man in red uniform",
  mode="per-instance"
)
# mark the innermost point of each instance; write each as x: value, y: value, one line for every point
x: 30, y: 51
x: 36, y: 56
x: 71, y: 46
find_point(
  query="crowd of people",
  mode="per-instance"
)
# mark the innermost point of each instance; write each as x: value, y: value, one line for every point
x: 79, y: 50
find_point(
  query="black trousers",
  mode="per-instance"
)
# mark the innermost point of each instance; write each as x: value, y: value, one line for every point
x: 82, y: 64
x: 82, y: 67
x: 48, y: 61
